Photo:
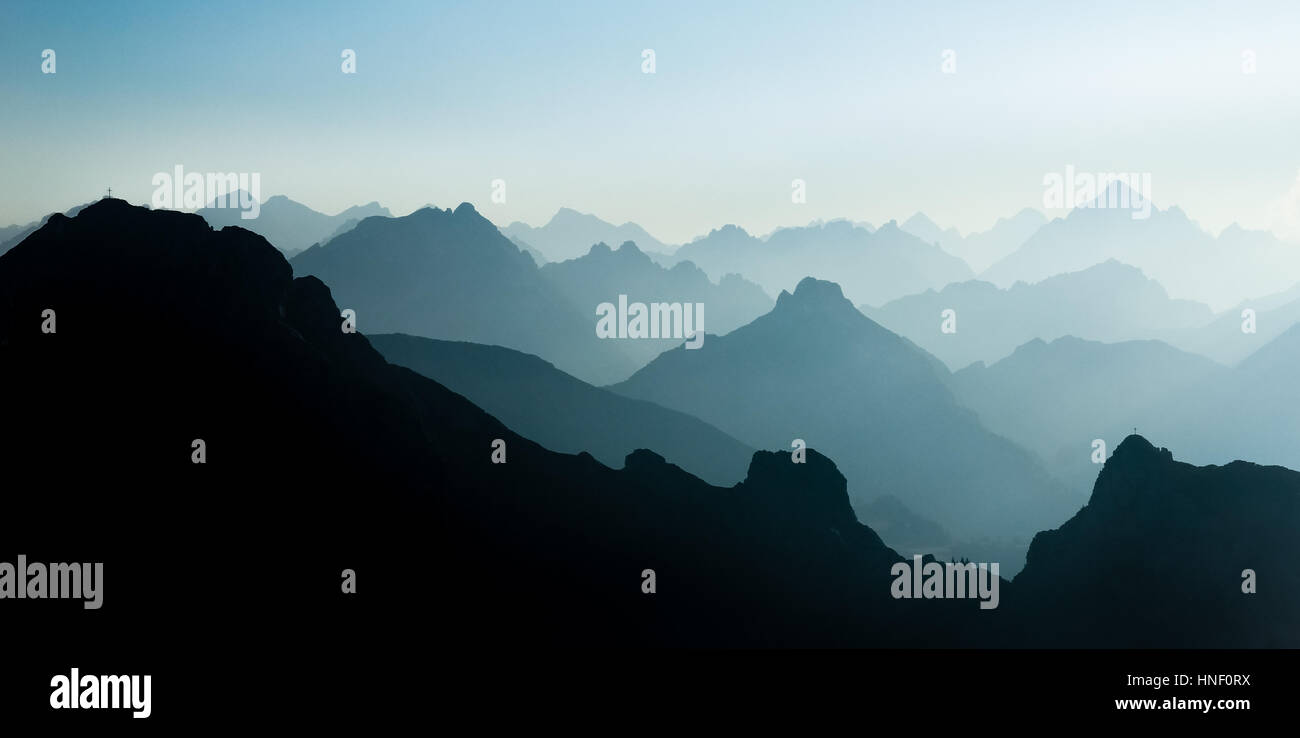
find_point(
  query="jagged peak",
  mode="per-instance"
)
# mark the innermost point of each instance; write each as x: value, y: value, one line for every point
x: 812, y: 291
x: 1137, y: 448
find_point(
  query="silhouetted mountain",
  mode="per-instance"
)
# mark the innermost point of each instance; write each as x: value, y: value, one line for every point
x: 570, y: 234
x: 1056, y: 398
x: 1167, y: 246
x: 979, y: 250
x: 321, y: 456
x: 452, y: 275
x: 1107, y: 302
x: 290, y: 226
x: 872, y: 267
x: 817, y: 369
x: 564, y: 413
x: 13, y: 235
x: 603, y: 274
x: 1156, y: 559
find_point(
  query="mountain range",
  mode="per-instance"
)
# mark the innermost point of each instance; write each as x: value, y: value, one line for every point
x: 1226, y: 338
x: 319, y: 455
x: 289, y: 225
x: 1167, y: 246
x: 1057, y: 398
x: 604, y: 273
x: 817, y: 369
x: 452, y: 275
x: 979, y: 250
x: 570, y: 234
x: 1109, y: 301
x: 564, y: 413
x: 872, y: 267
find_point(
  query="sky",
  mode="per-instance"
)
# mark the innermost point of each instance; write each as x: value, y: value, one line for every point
x: 551, y: 97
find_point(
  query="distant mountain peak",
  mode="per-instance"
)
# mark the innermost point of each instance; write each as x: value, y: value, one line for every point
x: 730, y: 229
x: 569, y: 215
x: 919, y: 219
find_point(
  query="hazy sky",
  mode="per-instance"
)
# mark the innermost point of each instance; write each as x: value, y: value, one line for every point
x: 551, y: 98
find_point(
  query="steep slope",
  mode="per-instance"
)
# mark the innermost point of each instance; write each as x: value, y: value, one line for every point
x: 817, y: 369
x: 451, y: 275
x: 321, y: 456
x: 14, y: 235
x: 1156, y: 559
x: 564, y: 413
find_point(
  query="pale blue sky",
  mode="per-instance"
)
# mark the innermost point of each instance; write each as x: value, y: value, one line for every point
x: 550, y: 97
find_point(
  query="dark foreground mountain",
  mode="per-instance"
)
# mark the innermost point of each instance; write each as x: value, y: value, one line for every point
x: 1055, y: 398
x: 1159, y: 558
x: 289, y: 225
x: 565, y: 414
x: 321, y: 456
x: 11, y: 236
x: 451, y: 275
x: 817, y: 369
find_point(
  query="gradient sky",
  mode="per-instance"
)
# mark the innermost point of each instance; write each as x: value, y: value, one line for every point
x: 550, y: 97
